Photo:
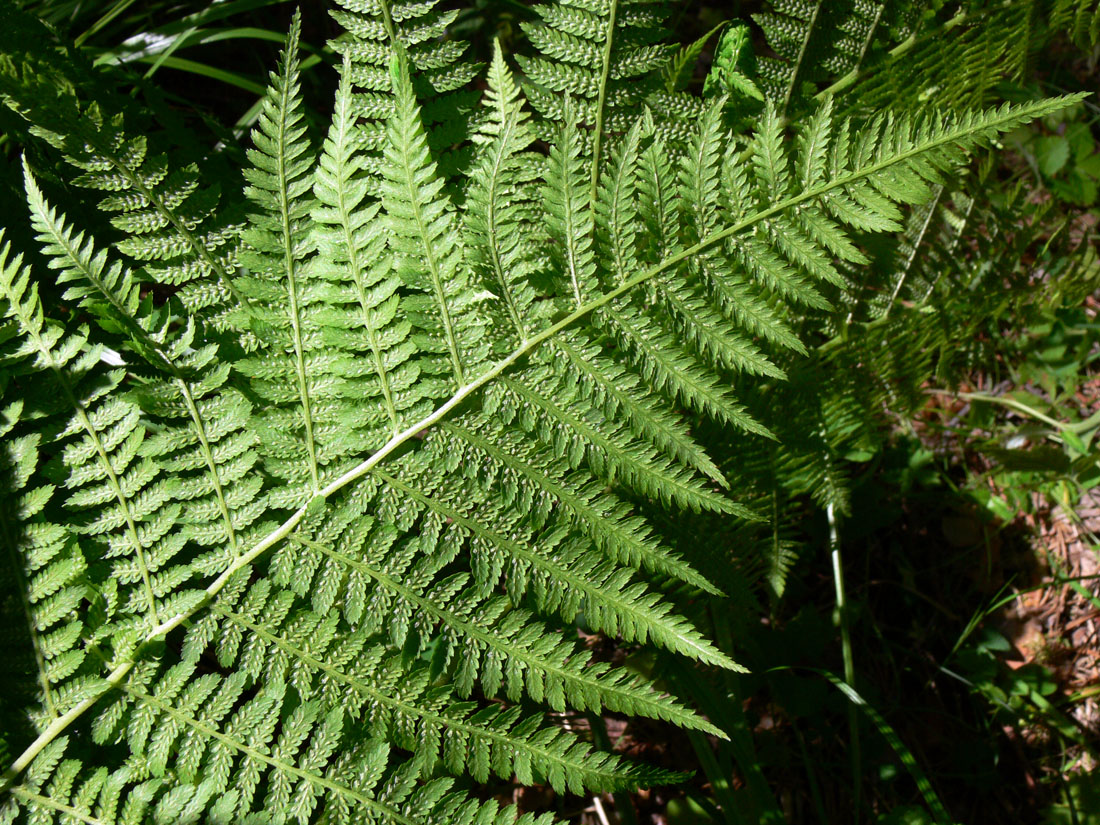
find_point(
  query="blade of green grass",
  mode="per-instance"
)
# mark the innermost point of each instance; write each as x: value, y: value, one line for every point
x: 118, y: 8
x: 931, y: 798
x: 727, y: 713
x: 212, y: 72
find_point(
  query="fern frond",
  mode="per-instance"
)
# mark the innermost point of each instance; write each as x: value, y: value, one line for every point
x: 536, y: 485
x: 657, y: 204
x: 664, y: 364
x: 292, y: 372
x: 258, y: 629
x: 423, y: 235
x: 234, y: 742
x: 815, y: 41
x: 616, y: 207
x: 182, y: 385
x: 470, y: 433
x: 362, y: 316
x: 958, y: 60
x: 126, y: 507
x: 379, y: 581
x: 1080, y: 18
x: 602, y: 56
x: 376, y: 31
x: 502, y: 238
x: 542, y: 402
x: 569, y: 210
x: 171, y: 221
x: 615, y: 390
x: 677, y: 72
x: 45, y: 573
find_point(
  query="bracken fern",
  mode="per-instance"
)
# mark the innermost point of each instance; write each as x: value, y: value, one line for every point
x: 307, y: 487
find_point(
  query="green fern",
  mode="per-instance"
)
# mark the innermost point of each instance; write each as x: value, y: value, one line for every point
x: 428, y: 420
x: 815, y: 41
x: 376, y: 31
x: 169, y: 215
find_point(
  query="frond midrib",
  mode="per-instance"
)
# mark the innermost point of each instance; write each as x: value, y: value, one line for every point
x: 49, y: 802
x: 286, y: 103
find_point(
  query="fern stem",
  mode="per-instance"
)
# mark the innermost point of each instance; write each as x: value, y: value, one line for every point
x: 61, y: 724
x: 842, y: 620
x: 623, y: 803
x: 905, y: 46
x: 601, y: 102
x: 287, y: 527
x: 47, y: 802
x: 387, y: 23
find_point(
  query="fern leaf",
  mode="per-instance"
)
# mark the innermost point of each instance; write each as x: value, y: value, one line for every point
x: 423, y: 237
x: 502, y: 248
x: 362, y: 316
x: 348, y: 672
x: 604, y: 54
x: 499, y: 647
x: 45, y: 572
x: 530, y: 473
x: 568, y: 208
x: 293, y: 372
x: 185, y: 384
x: 473, y: 401
x: 128, y: 507
x: 376, y: 31
x: 814, y: 41
x: 172, y: 222
x: 612, y: 388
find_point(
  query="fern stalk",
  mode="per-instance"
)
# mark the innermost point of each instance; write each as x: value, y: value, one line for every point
x: 900, y: 50
x: 843, y: 619
x: 601, y: 100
